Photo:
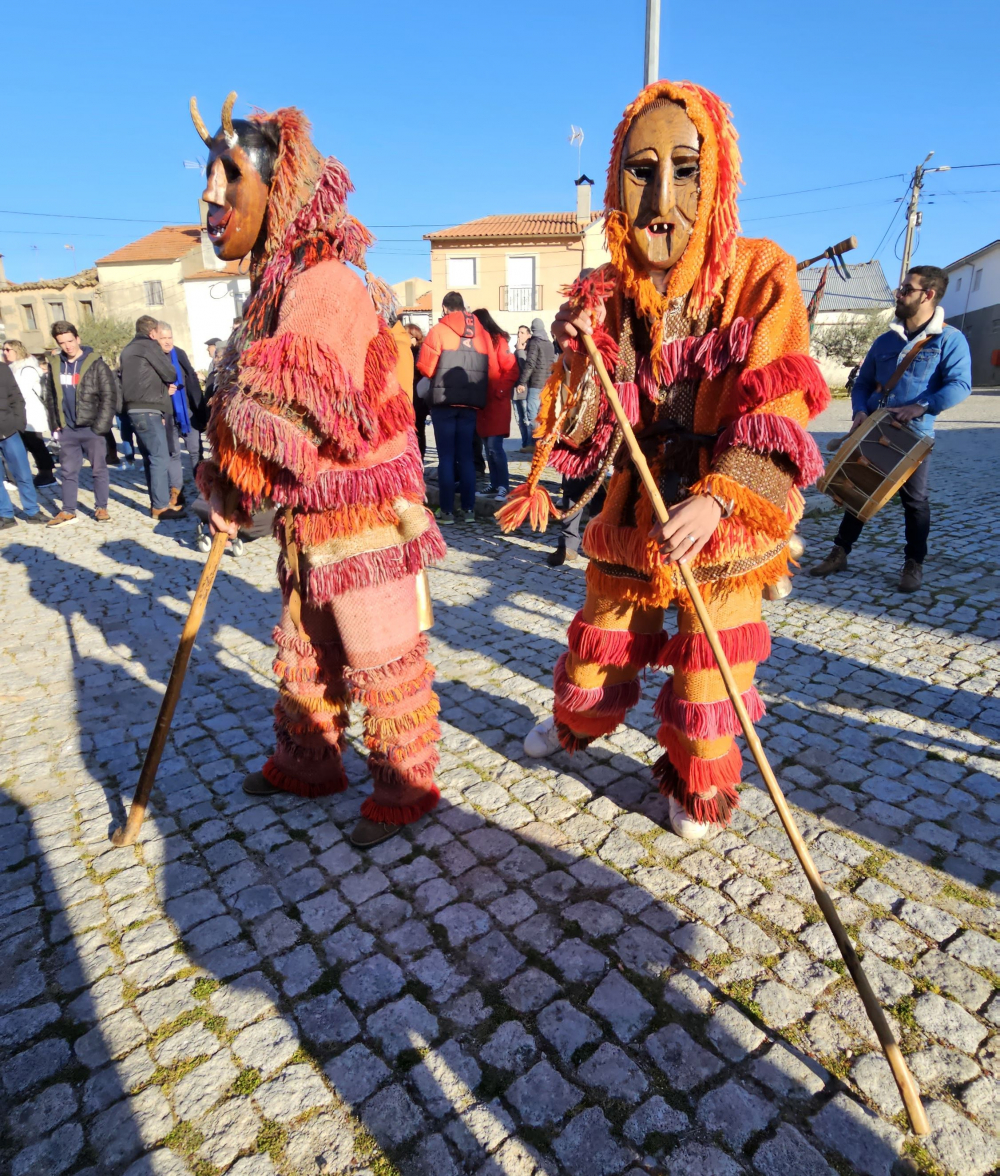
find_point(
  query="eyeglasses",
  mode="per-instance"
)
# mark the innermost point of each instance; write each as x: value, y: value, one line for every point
x: 908, y: 289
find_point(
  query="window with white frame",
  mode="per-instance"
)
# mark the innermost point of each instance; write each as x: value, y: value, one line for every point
x: 56, y: 311
x: 977, y: 280
x: 154, y: 293
x: 958, y: 285
x: 462, y: 272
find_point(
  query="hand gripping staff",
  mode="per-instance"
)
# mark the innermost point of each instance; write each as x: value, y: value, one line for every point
x: 904, y: 1079
x: 128, y: 832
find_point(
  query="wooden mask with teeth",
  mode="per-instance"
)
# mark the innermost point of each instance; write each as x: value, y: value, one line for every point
x: 660, y: 185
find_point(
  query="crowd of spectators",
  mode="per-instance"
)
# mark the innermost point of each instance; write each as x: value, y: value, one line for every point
x: 467, y: 379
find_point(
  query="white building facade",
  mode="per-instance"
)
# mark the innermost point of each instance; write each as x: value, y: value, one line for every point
x: 972, y: 304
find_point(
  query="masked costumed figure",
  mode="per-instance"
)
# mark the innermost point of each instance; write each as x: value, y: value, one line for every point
x: 706, y: 337
x: 312, y: 414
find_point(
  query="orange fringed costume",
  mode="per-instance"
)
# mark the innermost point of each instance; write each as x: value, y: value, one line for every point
x: 717, y: 382
x: 313, y: 413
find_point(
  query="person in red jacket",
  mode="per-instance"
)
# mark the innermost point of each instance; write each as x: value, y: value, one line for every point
x: 460, y: 360
x: 493, y: 421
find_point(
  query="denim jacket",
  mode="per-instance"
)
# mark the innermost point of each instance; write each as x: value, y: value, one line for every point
x: 940, y: 376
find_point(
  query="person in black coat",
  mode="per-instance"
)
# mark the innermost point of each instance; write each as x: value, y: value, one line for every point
x: 539, y: 354
x: 147, y: 383
x: 12, y: 420
x: 81, y: 395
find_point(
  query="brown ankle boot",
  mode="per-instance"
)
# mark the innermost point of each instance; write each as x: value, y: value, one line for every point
x: 166, y: 512
x: 836, y: 561
x: 176, y: 496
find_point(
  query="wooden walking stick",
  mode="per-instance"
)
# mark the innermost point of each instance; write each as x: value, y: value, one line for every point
x: 128, y: 832
x: 904, y: 1079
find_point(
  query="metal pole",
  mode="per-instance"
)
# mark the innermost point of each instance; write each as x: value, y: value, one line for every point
x: 652, y: 69
x: 911, y: 218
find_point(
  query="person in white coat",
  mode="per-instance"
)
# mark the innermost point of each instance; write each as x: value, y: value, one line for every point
x: 28, y: 375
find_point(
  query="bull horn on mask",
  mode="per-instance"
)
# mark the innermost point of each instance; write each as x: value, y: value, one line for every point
x: 199, y: 123
x: 227, y: 118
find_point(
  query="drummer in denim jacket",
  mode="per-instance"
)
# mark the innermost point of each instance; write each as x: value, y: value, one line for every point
x: 938, y: 378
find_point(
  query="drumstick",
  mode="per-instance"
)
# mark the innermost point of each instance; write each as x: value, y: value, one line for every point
x: 904, y: 1079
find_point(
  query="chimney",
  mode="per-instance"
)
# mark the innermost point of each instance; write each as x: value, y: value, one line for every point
x: 583, y: 186
x: 3, y: 276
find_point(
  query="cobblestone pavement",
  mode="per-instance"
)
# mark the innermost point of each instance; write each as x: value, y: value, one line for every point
x: 536, y: 978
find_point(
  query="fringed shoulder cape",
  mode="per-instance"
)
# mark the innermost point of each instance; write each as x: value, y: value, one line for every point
x: 753, y: 390
x: 313, y: 416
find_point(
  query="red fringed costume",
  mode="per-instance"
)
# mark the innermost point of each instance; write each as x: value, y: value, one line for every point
x: 715, y: 376
x: 311, y: 415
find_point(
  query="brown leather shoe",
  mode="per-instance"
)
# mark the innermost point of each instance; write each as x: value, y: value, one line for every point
x: 102, y: 515
x: 911, y: 577
x: 166, y: 512
x: 177, y: 496
x: 257, y: 784
x: 61, y: 519
x: 836, y: 561
x: 367, y: 833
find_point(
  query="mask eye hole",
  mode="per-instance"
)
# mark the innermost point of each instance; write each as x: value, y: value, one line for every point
x: 231, y: 170
x: 643, y: 172
x: 686, y: 171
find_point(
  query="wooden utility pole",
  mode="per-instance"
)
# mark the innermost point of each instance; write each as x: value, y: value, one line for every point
x: 913, y: 216
x: 652, y: 69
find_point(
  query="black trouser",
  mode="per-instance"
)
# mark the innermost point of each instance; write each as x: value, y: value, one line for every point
x: 421, y: 412
x: 35, y: 445
x: 572, y: 490
x: 916, y: 514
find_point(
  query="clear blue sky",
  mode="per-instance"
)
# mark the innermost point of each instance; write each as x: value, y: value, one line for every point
x: 448, y: 111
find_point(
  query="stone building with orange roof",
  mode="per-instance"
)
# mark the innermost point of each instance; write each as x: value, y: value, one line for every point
x: 173, y: 274
x: 515, y: 265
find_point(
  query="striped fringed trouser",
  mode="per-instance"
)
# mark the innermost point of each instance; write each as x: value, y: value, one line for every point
x: 597, y: 680
x: 365, y: 647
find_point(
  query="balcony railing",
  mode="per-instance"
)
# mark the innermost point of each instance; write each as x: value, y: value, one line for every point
x: 520, y: 298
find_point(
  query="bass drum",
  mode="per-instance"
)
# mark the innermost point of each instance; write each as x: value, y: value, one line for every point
x: 872, y: 463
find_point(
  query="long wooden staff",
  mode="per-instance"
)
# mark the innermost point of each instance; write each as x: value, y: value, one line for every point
x: 904, y: 1079
x: 128, y: 832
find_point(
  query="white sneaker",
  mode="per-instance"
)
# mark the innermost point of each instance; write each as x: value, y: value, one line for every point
x: 682, y: 824
x: 542, y: 740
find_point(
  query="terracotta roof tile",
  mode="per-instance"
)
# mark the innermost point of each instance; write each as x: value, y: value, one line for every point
x: 82, y: 280
x: 232, y: 270
x: 522, y: 224
x: 166, y: 244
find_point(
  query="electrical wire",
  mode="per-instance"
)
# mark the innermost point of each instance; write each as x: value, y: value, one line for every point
x: 824, y: 188
x: 902, y: 201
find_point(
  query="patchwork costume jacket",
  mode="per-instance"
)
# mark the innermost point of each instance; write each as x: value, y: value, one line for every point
x: 715, y: 377
x: 312, y: 414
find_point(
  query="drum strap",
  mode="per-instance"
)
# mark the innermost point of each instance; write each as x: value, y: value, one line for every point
x: 897, y: 375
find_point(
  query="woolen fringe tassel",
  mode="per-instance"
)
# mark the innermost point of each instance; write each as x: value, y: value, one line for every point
x: 789, y: 373
x: 571, y: 740
x: 766, y: 432
x: 405, y: 814
x: 375, y: 679
x: 400, y: 475
x: 614, y: 647
x: 590, y: 727
x: 598, y: 700
x: 705, y: 720
x: 274, y: 775
x: 370, y: 568
x: 702, y: 774
x: 712, y: 805
x: 743, y: 643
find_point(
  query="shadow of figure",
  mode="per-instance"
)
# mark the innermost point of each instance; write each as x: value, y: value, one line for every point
x: 253, y: 947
